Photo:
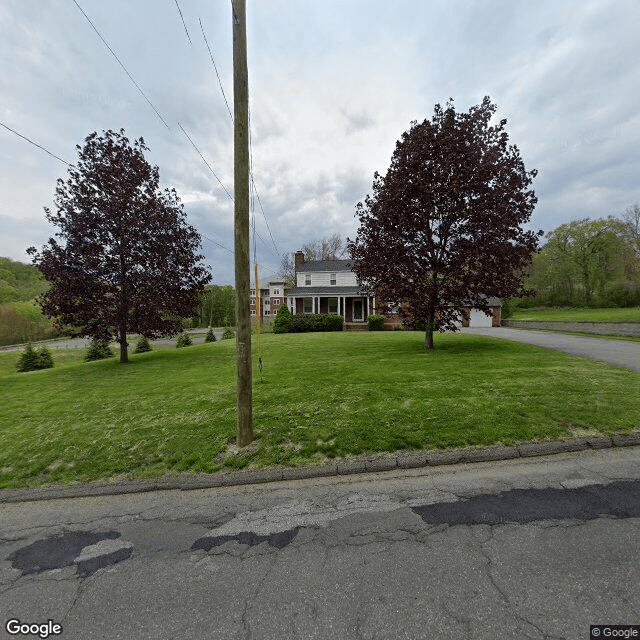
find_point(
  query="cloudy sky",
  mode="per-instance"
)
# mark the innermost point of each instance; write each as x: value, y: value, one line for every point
x: 333, y: 85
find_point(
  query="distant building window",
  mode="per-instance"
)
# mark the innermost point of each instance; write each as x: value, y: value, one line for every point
x: 266, y: 303
x: 253, y: 312
x: 333, y: 278
x: 307, y: 279
x: 276, y: 301
x: 308, y: 305
x: 267, y: 312
x: 276, y: 292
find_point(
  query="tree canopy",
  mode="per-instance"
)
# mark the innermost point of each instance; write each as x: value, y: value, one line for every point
x: 127, y: 260
x: 442, y: 229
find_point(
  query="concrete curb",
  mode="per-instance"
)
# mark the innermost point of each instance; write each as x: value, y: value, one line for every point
x: 370, y: 463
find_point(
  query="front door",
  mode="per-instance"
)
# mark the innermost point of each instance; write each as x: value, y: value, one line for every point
x: 357, y: 311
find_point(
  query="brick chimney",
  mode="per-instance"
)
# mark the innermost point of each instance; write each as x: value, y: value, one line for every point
x: 299, y: 260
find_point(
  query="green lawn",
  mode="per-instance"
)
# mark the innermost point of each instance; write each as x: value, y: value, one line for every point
x: 323, y: 395
x: 578, y: 315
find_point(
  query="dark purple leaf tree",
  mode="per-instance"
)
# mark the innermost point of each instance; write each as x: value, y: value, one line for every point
x: 127, y: 261
x: 443, y: 228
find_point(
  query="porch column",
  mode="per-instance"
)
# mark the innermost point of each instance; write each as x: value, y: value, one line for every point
x: 367, y: 306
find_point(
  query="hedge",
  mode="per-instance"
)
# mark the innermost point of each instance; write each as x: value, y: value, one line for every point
x: 307, y: 322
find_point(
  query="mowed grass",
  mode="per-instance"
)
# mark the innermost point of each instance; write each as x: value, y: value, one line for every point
x: 578, y: 315
x: 321, y: 396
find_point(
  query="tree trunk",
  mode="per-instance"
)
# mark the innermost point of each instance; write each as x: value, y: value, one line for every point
x: 124, y: 356
x: 428, y: 338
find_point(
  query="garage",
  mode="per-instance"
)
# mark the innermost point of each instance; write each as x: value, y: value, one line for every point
x: 478, y: 318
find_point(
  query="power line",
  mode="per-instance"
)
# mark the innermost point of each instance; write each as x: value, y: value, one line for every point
x: 216, y: 243
x: 120, y: 63
x: 185, y: 26
x: 203, y: 159
x: 35, y: 144
x: 216, y: 69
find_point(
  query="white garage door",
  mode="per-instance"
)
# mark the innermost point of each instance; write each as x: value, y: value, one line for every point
x: 479, y: 319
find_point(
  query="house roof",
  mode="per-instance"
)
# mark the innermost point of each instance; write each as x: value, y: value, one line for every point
x: 492, y: 301
x: 326, y: 291
x: 326, y: 265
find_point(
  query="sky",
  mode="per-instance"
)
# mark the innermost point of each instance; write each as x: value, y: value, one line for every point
x: 333, y: 85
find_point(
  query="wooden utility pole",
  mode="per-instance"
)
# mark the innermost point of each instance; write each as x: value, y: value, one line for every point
x: 241, y: 221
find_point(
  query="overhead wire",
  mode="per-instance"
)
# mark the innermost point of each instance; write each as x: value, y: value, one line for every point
x: 204, y: 35
x: 183, y: 22
x: 35, y: 144
x: 204, y: 160
x: 257, y: 195
x: 144, y: 95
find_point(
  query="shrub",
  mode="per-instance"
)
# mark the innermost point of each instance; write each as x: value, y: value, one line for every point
x: 283, y: 320
x: 228, y: 333
x: 98, y: 350
x: 184, y: 340
x: 46, y: 359
x: 143, y: 345
x: 32, y: 360
x: 307, y: 322
x: 508, y: 307
x: 376, y: 322
x: 210, y: 337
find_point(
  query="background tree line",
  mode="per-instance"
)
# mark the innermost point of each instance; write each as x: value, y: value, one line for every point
x: 21, y: 319
x: 217, y: 307
x: 589, y: 263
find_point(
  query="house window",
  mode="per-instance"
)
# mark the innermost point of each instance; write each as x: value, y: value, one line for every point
x: 253, y: 312
x: 276, y: 301
x: 267, y: 312
x: 333, y: 278
x: 276, y: 292
x: 307, y: 279
x: 308, y: 305
x: 333, y: 305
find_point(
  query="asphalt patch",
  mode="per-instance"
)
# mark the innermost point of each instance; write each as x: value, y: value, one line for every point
x: 620, y: 499
x: 56, y: 551
x: 280, y: 539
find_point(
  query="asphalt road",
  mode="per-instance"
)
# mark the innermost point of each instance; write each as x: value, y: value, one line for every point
x: 528, y: 548
x: 623, y: 353
x: 197, y: 335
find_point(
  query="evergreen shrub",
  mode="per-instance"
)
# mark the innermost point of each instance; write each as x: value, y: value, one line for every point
x: 210, y: 337
x: 32, y: 360
x: 98, y: 350
x: 228, y: 333
x: 184, y: 340
x: 143, y: 345
x: 283, y: 320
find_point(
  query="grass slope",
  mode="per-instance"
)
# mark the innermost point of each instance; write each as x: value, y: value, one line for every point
x: 322, y: 396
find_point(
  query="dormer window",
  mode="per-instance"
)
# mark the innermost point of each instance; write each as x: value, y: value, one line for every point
x: 333, y: 278
x: 307, y: 279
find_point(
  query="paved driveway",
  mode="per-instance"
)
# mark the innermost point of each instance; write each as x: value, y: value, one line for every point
x: 623, y: 353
